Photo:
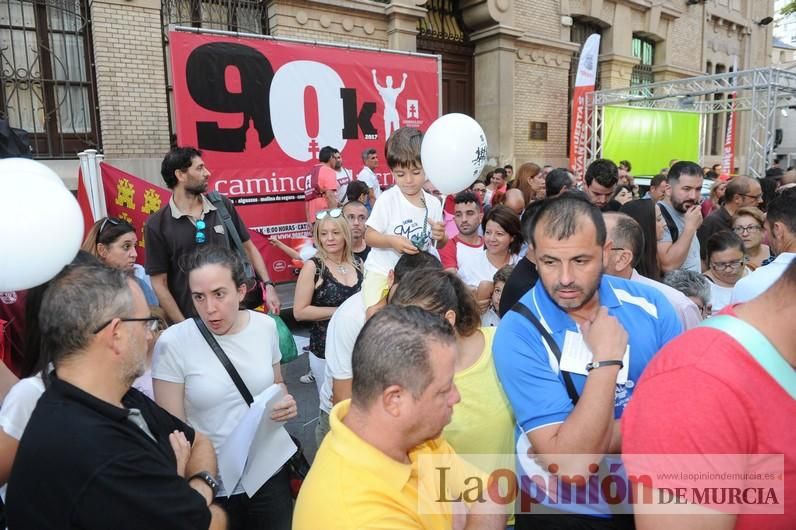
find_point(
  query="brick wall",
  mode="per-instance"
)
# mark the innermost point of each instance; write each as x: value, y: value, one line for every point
x: 540, y: 18
x: 328, y: 24
x: 540, y: 94
x: 128, y: 53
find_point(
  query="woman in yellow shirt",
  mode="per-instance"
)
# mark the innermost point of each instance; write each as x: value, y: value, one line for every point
x: 482, y: 422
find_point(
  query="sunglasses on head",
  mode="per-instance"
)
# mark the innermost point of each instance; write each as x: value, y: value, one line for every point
x: 108, y: 220
x: 334, y: 212
x: 200, y: 232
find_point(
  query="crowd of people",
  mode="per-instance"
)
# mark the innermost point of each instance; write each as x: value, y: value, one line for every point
x: 536, y: 322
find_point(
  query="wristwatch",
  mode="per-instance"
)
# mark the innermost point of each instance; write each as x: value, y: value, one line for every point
x: 592, y: 366
x: 266, y: 283
x: 208, y: 479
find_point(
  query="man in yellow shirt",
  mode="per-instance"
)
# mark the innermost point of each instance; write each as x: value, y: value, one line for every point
x: 372, y: 469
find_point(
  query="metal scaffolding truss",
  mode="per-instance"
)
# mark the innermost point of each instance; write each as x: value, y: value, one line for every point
x: 760, y: 91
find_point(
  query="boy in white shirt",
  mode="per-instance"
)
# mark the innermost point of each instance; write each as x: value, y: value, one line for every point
x: 405, y: 219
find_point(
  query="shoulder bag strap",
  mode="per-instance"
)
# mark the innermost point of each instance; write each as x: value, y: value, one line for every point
x: 759, y: 347
x: 215, y: 198
x: 228, y: 366
x: 670, y: 224
x: 551, y: 343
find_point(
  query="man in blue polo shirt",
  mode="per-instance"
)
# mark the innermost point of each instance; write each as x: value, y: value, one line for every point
x: 568, y: 390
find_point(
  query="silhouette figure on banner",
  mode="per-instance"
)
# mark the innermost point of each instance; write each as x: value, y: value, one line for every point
x: 389, y: 96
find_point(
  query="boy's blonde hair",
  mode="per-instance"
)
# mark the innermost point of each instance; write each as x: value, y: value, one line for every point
x: 403, y: 148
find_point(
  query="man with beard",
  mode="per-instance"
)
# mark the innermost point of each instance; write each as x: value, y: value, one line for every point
x: 190, y: 219
x: 111, y: 457
x: 679, y: 247
x: 344, y: 176
x: 568, y: 365
x: 357, y: 215
x: 600, y: 182
x: 467, y: 244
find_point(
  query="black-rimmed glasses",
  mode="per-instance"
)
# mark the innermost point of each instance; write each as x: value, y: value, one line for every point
x: 154, y: 323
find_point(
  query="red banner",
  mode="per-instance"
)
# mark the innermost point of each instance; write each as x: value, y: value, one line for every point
x: 132, y: 199
x: 261, y: 109
x: 728, y: 156
x: 584, y: 83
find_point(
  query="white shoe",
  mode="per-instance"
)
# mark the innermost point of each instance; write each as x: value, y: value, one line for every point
x: 307, y: 378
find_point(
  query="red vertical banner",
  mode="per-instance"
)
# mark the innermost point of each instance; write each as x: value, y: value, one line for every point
x: 261, y: 109
x: 728, y: 155
x: 584, y: 83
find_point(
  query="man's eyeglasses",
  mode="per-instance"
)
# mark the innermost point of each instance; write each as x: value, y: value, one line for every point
x: 334, y: 213
x: 153, y: 323
x: 755, y: 197
x: 750, y: 229
x: 200, y: 232
x: 727, y: 265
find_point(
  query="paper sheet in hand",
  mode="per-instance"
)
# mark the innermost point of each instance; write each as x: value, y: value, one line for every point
x: 255, y: 434
x: 576, y: 355
x: 270, y: 449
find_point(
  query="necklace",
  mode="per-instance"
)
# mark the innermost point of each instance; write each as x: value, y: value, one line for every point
x: 340, y: 267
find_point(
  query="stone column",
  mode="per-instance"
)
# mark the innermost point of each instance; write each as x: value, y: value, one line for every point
x: 402, y: 17
x: 495, y: 53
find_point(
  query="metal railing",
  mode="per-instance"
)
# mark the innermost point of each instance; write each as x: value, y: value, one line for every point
x: 47, y: 84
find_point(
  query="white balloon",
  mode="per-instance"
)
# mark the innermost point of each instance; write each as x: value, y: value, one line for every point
x: 453, y: 153
x: 27, y: 168
x: 307, y: 252
x: 41, y: 228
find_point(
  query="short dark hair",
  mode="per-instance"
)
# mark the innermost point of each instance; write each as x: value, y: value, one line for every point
x: 179, y: 158
x: 736, y: 186
x: 500, y: 170
x: 782, y: 209
x: 353, y: 203
x: 503, y: 274
x: 78, y: 300
x: 403, y: 148
x: 393, y: 349
x: 657, y: 180
x: 723, y: 240
x: 355, y: 189
x: 409, y: 262
x: 627, y: 234
x: 557, y: 180
x: 626, y: 164
x: 326, y: 154
x: 464, y: 197
x: 439, y: 291
x: 689, y: 169
x: 604, y: 171
x: 508, y: 221
x: 508, y: 166
x: 215, y: 255
x: 559, y: 218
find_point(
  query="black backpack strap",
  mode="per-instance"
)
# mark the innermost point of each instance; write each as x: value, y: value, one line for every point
x: 551, y: 343
x: 228, y: 366
x: 217, y: 200
x: 670, y: 224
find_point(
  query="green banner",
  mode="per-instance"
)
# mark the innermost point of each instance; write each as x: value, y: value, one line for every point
x: 649, y: 139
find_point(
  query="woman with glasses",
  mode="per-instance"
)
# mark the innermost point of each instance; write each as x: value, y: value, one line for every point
x: 192, y: 383
x: 726, y: 265
x: 748, y: 223
x: 113, y: 241
x: 325, y: 282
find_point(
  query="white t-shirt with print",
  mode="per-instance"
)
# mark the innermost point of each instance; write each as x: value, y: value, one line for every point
x: 344, y: 327
x: 393, y: 214
x: 343, y: 180
x: 476, y: 268
x: 213, y: 404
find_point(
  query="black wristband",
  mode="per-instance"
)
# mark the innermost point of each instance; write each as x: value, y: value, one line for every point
x: 598, y: 364
x: 266, y: 283
x: 208, y: 479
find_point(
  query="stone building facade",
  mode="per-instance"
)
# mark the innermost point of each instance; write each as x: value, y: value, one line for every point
x: 506, y: 62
